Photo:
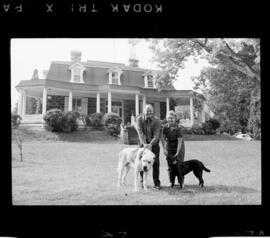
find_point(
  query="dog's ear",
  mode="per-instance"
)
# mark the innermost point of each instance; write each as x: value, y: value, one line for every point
x: 140, y: 153
x: 148, y: 146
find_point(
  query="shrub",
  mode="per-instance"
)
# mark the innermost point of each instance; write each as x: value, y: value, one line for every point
x: 52, y: 118
x: 59, y: 121
x: 230, y: 127
x: 112, y: 123
x: 15, y: 120
x: 95, y: 119
x: 209, y: 127
x: 196, y: 130
x: 69, y: 122
x: 185, y: 130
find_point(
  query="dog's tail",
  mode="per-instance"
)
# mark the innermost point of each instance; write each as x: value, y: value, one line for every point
x: 206, y: 169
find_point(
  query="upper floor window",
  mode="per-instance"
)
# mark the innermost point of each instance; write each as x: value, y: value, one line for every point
x: 149, y: 80
x: 77, y: 73
x: 115, y: 75
x: 114, y: 78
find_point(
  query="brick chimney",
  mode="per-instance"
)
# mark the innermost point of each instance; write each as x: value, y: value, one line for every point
x: 35, y: 75
x: 76, y: 56
x: 133, y: 60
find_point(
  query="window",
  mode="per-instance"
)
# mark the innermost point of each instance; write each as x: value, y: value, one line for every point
x: 117, y: 107
x: 77, y: 75
x: 115, y: 75
x: 77, y: 104
x: 114, y: 78
x: 150, y: 81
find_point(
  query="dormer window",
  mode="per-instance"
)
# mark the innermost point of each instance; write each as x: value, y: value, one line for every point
x: 114, y: 78
x: 115, y: 75
x: 149, y: 80
x: 77, y: 73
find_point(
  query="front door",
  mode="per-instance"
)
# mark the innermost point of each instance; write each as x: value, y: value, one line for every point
x: 117, y: 107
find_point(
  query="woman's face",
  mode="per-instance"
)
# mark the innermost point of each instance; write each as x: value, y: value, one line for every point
x: 171, y: 119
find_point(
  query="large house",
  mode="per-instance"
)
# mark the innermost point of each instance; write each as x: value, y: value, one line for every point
x: 95, y: 86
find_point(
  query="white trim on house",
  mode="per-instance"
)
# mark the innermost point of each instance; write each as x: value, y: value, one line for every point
x: 115, y: 70
x: 146, y: 76
x: 77, y: 70
x: 124, y: 91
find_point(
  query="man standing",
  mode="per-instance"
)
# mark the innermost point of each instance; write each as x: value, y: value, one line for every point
x: 148, y: 127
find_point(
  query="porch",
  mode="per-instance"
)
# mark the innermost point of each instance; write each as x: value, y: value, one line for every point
x: 35, y: 101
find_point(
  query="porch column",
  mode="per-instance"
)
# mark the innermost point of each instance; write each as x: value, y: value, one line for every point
x: 70, y: 101
x: 44, y: 101
x: 109, y: 102
x: 137, y: 105
x: 20, y: 101
x: 23, y: 103
x: 191, y: 111
x: 144, y: 101
x: 98, y: 102
x: 167, y: 104
x: 203, y: 112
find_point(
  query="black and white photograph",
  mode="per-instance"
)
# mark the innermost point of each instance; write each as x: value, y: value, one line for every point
x: 136, y: 121
x: 133, y: 119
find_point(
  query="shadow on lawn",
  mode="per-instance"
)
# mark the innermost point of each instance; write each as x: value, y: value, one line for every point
x: 192, y: 189
x: 189, y: 137
x: 81, y: 135
x: 87, y: 136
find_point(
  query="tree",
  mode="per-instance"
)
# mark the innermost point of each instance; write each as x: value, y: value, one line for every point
x: 232, y: 84
x: 241, y: 54
x: 229, y: 96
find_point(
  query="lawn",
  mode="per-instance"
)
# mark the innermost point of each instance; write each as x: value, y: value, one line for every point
x: 81, y: 170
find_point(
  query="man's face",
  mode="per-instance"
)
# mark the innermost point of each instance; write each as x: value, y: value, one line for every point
x: 149, y: 112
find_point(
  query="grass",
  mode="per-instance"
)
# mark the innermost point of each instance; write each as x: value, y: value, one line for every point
x: 80, y: 169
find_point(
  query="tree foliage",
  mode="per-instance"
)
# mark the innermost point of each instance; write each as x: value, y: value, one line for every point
x: 241, y: 54
x: 231, y: 84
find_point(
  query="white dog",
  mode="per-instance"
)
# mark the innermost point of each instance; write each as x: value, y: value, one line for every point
x: 141, y: 159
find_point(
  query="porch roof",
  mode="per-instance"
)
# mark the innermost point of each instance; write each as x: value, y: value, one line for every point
x: 103, y: 88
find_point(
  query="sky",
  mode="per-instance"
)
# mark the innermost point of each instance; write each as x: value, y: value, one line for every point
x: 37, y: 53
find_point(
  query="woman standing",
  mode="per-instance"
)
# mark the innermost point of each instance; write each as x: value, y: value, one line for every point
x: 173, y: 147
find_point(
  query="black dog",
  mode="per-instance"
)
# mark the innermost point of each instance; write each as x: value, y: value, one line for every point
x: 187, y: 166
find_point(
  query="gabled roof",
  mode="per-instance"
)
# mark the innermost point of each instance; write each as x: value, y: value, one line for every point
x: 75, y: 65
x: 148, y: 72
x: 115, y: 69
